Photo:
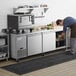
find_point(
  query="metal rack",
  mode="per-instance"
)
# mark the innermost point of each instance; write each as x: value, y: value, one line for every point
x: 38, y: 11
x: 4, y: 46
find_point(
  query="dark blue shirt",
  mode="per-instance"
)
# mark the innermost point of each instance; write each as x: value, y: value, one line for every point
x: 68, y: 21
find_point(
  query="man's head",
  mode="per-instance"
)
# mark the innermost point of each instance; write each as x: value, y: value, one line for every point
x: 59, y: 22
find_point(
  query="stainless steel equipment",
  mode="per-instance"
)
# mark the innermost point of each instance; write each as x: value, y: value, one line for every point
x: 19, y: 21
x: 18, y: 46
x: 34, y: 43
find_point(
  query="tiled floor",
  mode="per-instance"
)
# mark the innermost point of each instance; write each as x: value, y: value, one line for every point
x: 64, y: 69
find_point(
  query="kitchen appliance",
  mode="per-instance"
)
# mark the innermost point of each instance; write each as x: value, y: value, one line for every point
x: 19, y: 21
x: 18, y: 46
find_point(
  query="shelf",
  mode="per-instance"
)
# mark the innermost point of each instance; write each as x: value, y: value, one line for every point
x: 37, y: 11
x: 3, y: 46
x: 60, y: 47
x: 3, y: 34
x: 2, y: 58
x: 39, y: 16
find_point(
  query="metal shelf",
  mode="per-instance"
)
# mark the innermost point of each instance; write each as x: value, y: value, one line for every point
x: 37, y: 11
x: 4, y: 49
x: 3, y: 46
x: 2, y: 58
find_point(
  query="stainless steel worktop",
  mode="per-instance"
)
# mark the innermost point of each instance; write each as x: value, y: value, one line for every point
x: 57, y: 28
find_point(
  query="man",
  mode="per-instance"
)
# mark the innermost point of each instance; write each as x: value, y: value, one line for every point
x: 71, y: 23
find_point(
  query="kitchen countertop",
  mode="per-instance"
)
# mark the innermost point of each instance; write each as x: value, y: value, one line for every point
x: 56, y: 28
